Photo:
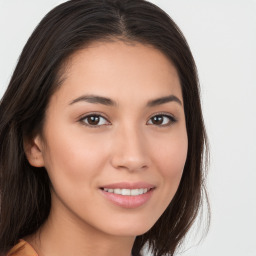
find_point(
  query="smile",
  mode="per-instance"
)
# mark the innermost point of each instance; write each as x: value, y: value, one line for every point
x: 127, y: 192
x: 128, y: 195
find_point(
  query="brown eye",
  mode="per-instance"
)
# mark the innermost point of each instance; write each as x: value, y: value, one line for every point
x: 161, y: 120
x: 94, y: 120
x: 158, y: 120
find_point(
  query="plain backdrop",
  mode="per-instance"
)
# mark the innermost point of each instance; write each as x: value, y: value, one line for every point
x: 222, y: 37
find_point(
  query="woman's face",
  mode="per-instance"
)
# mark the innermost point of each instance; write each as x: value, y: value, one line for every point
x: 114, y: 141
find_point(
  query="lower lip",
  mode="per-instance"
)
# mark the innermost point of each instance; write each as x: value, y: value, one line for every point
x: 128, y: 201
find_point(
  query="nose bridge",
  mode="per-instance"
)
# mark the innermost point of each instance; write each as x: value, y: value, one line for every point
x: 129, y: 148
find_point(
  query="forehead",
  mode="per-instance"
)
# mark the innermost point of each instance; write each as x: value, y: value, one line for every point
x: 120, y: 70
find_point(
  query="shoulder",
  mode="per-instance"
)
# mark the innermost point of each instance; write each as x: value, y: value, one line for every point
x: 22, y: 248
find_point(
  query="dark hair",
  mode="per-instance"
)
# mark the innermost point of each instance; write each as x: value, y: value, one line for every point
x: 24, y: 189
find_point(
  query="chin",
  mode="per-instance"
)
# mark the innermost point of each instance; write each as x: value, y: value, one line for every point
x: 130, y: 227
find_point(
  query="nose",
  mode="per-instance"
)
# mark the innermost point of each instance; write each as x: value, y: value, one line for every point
x: 129, y: 150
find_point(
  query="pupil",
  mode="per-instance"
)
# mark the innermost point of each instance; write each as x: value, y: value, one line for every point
x: 93, y: 120
x: 157, y: 120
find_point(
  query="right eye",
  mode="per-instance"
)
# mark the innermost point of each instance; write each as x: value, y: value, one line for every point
x: 94, y: 120
x: 162, y: 120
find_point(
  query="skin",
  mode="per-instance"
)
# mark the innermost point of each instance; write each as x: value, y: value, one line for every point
x: 125, y: 146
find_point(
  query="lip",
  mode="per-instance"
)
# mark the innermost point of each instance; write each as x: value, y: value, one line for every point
x: 129, y: 185
x: 129, y: 202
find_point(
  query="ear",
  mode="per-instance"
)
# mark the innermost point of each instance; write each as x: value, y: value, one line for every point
x: 34, y: 151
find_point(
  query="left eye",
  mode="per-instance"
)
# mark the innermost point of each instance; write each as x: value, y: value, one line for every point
x: 161, y: 120
x: 94, y: 120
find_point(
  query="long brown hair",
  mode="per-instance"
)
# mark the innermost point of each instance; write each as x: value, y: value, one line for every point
x: 24, y: 190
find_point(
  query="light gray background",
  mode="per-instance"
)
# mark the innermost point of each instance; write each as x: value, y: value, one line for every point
x: 222, y: 37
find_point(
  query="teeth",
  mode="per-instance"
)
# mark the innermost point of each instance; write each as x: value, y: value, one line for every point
x: 127, y: 192
x: 134, y: 192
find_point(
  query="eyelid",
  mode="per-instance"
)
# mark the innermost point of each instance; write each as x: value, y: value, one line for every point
x: 84, y: 116
x: 81, y: 118
x: 172, y: 118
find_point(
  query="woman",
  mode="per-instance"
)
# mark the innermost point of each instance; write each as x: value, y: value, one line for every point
x: 102, y: 135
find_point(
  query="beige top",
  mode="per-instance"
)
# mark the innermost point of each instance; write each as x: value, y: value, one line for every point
x: 22, y: 248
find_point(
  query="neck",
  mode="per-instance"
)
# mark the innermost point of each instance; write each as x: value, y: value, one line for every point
x: 62, y: 234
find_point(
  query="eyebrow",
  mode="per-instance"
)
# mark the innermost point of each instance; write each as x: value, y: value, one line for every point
x: 163, y: 100
x: 95, y: 99
x: 108, y: 102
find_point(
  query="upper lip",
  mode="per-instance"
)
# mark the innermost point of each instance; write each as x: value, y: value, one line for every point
x: 129, y: 185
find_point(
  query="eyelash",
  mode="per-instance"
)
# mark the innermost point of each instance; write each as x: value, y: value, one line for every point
x: 171, y: 120
x: 82, y: 120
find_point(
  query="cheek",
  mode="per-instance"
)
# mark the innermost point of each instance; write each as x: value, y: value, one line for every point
x: 173, y: 158
x: 169, y: 159
x: 171, y: 153
x: 73, y: 159
x: 74, y: 164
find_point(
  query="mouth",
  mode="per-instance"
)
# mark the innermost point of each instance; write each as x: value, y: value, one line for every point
x: 126, y: 191
x: 128, y: 195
